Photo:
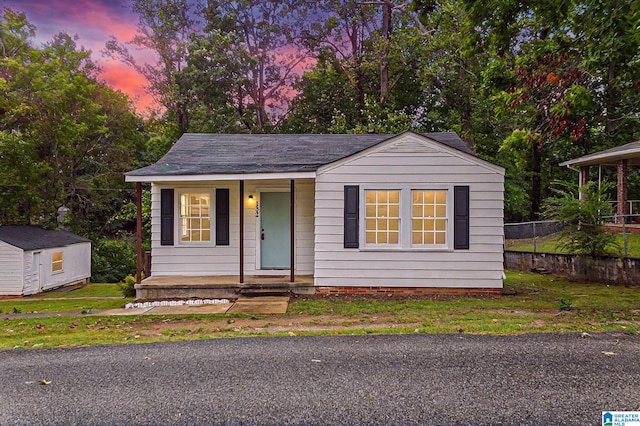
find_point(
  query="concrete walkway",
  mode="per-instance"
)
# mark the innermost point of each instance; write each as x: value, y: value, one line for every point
x: 243, y: 305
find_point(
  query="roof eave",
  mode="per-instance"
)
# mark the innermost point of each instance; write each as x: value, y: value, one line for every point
x: 220, y: 177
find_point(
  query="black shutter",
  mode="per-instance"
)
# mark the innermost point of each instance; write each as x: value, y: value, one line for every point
x: 461, y: 217
x: 222, y: 217
x: 351, y: 216
x: 166, y: 217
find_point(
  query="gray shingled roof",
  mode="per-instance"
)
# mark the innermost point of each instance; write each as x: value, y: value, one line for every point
x: 630, y: 151
x: 201, y: 154
x: 31, y: 237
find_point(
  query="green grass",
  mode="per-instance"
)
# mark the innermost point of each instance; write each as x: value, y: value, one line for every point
x: 549, y: 244
x: 530, y: 303
x: 90, y: 290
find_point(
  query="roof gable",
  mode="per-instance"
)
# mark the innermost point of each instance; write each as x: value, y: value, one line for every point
x: 219, y: 154
x: 31, y: 237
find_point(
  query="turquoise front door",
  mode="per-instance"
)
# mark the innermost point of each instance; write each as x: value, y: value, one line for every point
x: 275, y: 230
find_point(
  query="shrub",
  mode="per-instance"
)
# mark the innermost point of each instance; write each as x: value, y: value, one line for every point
x: 582, y: 219
x: 127, y: 287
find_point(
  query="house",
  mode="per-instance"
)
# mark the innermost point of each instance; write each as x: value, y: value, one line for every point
x: 620, y: 157
x: 33, y: 259
x: 349, y: 213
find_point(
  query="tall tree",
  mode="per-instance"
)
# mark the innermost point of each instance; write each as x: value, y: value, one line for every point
x: 65, y: 138
x: 164, y: 27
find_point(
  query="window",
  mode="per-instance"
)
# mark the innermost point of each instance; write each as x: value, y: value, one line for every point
x: 382, y: 217
x: 57, y: 260
x: 429, y: 217
x: 195, y: 217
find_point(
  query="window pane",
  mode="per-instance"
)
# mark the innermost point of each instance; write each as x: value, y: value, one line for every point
x: 416, y: 224
x: 429, y: 224
x: 370, y: 197
x: 441, y: 211
x: 416, y: 238
x: 428, y: 238
x: 382, y: 238
x: 371, y: 237
x: 370, y: 224
x: 441, y: 197
x: 393, y: 238
x: 382, y: 197
x: 440, y: 238
x: 394, y: 197
x: 428, y: 211
x: 417, y: 197
x: 417, y: 210
x: 428, y: 197
x: 383, y: 211
x: 382, y: 224
x: 206, y: 235
x: 394, y: 210
x: 370, y: 211
x: 394, y: 224
x: 441, y: 225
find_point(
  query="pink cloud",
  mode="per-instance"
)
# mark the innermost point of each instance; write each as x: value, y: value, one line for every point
x: 125, y: 79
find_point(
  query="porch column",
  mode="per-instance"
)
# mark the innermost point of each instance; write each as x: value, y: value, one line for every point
x: 241, y: 242
x: 583, y: 179
x: 293, y: 228
x: 139, y: 232
x: 622, y: 189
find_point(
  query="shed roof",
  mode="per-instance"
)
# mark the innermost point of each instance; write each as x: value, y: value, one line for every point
x: 202, y: 154
x: 630, y: 151
x: 31, y: 237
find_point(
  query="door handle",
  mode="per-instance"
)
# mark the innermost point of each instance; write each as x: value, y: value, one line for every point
x: 262, y: 235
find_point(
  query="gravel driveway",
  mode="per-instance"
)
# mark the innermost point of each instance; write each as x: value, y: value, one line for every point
x: 536, y: 379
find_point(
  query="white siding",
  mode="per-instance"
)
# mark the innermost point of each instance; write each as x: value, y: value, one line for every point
x: 76, y: 265
x: 409, y: 162
x: 11, y: 270
x: 209, y: 259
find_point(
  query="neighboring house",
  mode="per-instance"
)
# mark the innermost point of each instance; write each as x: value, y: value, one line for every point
x: 382, y: 212
x: 33, y: 259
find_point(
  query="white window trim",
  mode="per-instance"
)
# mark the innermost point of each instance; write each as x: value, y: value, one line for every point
x: 177, y: 225
x: 404, y: 239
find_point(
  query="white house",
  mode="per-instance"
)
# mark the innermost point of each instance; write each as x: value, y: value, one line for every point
x: 33, y: 259
x: 407, y: 212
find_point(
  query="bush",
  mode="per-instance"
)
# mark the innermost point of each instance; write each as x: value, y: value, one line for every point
x: 127, y: 287
x: 583, y: 220
x: 112, y: 260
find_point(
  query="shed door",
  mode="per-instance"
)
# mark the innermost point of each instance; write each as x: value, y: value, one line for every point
x: 275, y: 230
x: 34, y: 285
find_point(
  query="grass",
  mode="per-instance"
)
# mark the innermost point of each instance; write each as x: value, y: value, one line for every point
x: 90, y: 290
x: 549, y: 244
x: 530, y: 303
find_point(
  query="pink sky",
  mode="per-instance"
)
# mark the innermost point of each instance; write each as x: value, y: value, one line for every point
x: 93, y: 21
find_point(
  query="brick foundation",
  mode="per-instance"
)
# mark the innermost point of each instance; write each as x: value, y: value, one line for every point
x: 427, y: 291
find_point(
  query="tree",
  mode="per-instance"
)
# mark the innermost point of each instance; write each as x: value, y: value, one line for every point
x: 164, y: 27
x: 65, y: 138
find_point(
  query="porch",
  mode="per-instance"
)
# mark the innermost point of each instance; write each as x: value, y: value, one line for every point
x: 221, y: 287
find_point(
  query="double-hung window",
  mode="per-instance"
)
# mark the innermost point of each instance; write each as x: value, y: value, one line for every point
x: 195, y: 217
x: 57, y: 261
x: 407, y: 218
x: 382, y: 217
x: 429, y: 221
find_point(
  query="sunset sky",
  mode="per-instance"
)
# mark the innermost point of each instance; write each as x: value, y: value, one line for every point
x: 93, y: 21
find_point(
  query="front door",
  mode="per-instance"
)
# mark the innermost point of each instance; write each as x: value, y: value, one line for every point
x: 275, y: 230
x: 34, y: 285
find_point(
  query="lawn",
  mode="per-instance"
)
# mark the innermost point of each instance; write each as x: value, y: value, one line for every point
x: 530, y: 303
x: 549, y: 244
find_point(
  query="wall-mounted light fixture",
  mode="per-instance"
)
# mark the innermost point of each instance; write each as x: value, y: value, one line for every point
x: 251, y: 198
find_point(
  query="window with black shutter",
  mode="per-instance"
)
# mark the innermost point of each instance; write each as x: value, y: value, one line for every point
x: 166, y: 217
x: 461, y: 217
x: 222, y: 217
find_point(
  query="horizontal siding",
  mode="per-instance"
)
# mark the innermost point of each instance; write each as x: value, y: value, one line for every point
x: 11, y: 270
x: 209, y: 259
x: 76, y: 265
x: 480, y: 266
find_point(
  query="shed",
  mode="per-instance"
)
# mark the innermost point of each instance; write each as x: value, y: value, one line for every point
x: 349, y: 213
x: 34, y: 259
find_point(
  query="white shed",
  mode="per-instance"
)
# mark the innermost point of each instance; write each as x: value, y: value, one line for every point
x: 33, y: 259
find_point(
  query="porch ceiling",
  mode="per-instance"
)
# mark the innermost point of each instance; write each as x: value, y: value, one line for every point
x: 609, y: 157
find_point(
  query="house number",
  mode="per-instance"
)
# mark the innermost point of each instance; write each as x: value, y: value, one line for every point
x: 257, y: 209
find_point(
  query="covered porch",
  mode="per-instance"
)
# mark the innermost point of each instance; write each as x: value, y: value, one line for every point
x: 622, y: 158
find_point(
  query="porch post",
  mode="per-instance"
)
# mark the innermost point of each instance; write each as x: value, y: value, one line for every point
x: 293, y: 228
x: 583, y: 180
x: 622, y: 189
x: 241, y: 242
x: 139, y: 232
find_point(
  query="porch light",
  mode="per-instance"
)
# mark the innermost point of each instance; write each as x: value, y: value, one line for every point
x: 251, y: 198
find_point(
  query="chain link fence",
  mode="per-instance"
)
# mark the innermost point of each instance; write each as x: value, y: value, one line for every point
x: 530, y: 236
